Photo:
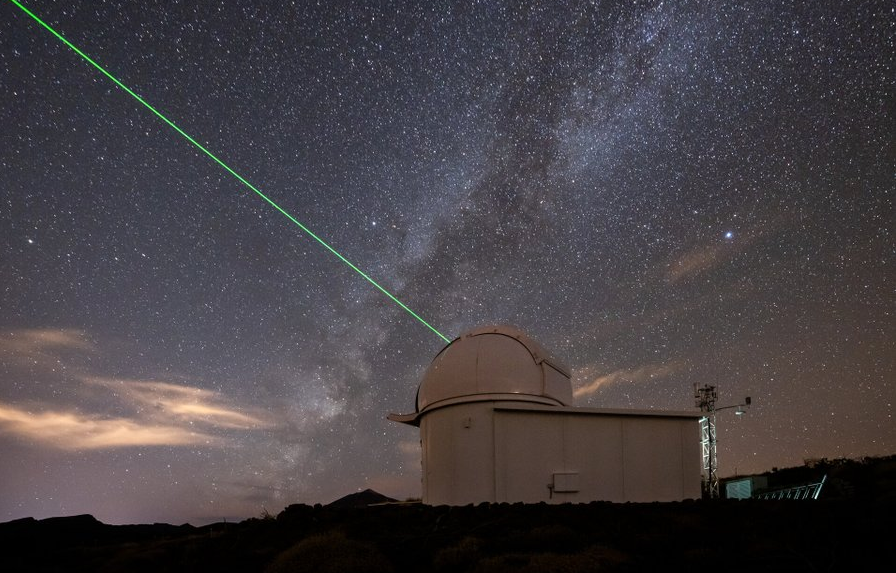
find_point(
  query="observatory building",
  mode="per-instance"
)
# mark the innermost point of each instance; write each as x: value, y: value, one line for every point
x: 497, y: 425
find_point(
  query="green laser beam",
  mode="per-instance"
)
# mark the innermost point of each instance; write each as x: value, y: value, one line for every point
x: 227, y: 168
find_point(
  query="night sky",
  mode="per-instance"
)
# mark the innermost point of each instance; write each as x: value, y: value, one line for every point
x: 661, y: 193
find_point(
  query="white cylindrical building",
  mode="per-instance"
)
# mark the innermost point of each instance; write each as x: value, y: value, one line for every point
x: 497, y: 425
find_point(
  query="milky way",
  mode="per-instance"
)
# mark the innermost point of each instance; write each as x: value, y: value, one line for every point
x: 662, y: 193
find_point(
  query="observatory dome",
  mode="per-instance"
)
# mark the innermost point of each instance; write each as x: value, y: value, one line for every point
x: 494, y: 363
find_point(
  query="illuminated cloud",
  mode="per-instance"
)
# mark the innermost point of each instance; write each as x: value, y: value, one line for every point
x: 164, y: 414
x: 164, y: 401
x: 148, y: 412
x: 588, y: 383
x: 69, y: 430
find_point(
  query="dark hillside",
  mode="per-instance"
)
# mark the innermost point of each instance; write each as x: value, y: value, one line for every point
x: 360, y: 499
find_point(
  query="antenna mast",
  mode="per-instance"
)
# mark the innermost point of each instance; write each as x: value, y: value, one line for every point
x: 705, y: 398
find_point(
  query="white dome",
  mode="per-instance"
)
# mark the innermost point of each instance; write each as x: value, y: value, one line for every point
x: 494, y: 362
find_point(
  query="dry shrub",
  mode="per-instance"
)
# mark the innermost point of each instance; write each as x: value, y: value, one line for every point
x: 331, y: 552
x: 460, y: 557
x: 594, y: 558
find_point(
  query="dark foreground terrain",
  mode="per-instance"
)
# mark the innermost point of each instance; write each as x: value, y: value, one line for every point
x: 851, y: 527
x: 754, y: 535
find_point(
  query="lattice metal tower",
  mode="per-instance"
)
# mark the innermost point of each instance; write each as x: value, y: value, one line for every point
x: 705, y: 399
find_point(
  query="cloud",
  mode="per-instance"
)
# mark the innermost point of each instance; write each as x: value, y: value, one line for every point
x: 44, y: 338
x: 588, y: 383
x: 704, y: 258
x: 695, y: 262
x: 146, y: 412
x: 69, y: 430
x: 163, y: 414
x: 175, y: 403
x: 37, y: 345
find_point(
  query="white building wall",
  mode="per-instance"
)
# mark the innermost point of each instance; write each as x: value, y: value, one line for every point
x: 501, y: 452
x: 458, y: 454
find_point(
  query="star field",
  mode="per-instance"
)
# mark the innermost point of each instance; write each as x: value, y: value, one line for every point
x: 662, y: 193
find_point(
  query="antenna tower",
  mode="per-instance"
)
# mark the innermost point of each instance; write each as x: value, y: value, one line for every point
x: 705, y: 398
